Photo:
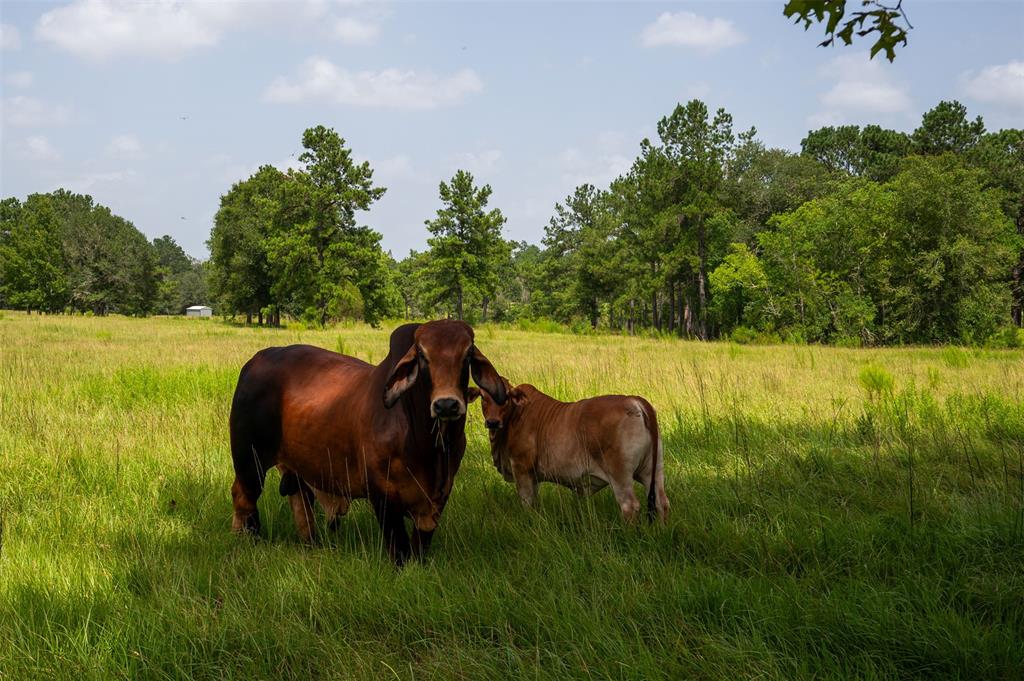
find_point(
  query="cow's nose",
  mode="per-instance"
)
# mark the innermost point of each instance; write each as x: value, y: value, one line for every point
x: 492, y: 424
x: 446, y: 407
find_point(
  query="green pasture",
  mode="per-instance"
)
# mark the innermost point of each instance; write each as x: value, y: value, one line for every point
x: 836, y: 513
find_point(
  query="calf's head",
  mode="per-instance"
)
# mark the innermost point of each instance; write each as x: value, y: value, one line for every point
x: 498, y: 414
x: 443, y: 356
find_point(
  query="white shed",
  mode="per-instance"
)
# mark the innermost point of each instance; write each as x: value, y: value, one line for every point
x: 199, y: 311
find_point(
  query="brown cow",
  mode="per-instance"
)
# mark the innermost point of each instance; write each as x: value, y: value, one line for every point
x: 608, y: 440
x: 339, y: 428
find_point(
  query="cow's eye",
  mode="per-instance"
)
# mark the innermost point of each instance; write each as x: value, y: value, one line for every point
x: 423, y: 358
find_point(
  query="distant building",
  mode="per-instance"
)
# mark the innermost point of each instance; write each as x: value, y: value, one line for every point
x: 199, y: 311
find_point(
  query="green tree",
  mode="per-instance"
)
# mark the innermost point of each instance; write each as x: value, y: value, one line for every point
x: 290, y: 241
x: 881, y: 152
x: 946, y: 128
x: 956, y: 247
x: 873, y: 152
x: 836, y: 148
x: 688, y: 189
x: 180, y: 279
x: 324, y: 263
x: 523, y: 281
x: 10, y: 215
x: 920, y: 259
x: 741, y: 290
x: 764, y: 182
x: 578, y: 270
x: 410, y: 277
x: 467, y: 250
x: 240, y: 273
x: 1000, y: 156
x: 31, y: 260
x: 890, y: 23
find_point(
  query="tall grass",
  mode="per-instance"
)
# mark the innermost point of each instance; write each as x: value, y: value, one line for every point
x: 836, y: 513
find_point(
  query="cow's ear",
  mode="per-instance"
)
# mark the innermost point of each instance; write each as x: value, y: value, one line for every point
x: 486, y: 377
x: 402, y: 377
x: 472, y: 395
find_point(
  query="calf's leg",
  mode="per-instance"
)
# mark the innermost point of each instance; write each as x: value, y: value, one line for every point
x: 526, y: 486
x: 628, y: 503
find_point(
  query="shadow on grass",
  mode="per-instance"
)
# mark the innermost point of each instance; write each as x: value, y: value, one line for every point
x: 791, y: 552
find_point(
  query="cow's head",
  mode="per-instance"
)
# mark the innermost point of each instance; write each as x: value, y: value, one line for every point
x: 444, y: 355
x: 498, y: 414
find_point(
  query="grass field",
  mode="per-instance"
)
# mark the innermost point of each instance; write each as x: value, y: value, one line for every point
x: 835, y: 513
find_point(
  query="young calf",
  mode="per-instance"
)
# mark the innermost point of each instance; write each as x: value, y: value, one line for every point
x: 608, y: 440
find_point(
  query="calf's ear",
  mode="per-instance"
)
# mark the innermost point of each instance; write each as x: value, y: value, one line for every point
x: 518, y: 397
x: 472, y: 394
x: 486, y: 377
x: 402, y: 377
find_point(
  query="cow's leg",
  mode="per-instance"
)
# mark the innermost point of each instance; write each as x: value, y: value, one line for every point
x: 392, y: 524
x: 422, y: 534
x: 245, y: 492
x: 421, y: 542
x: 255, y: 439
x: 624, y: 494
x: 244, y: 495
x: 301, y: 500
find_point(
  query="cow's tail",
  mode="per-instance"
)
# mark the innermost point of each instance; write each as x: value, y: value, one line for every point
x: 651, y: 418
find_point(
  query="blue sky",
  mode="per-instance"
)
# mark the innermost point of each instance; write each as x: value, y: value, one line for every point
x: 156, y: 108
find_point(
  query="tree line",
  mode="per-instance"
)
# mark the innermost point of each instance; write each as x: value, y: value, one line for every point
x: 61, y: 252
x: 866, y: 236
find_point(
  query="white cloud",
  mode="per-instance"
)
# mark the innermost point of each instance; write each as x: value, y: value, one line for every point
x: 126, y: 147
x: 27, y: 112
x: 1000, y: 84
x: 578, y: 167
x: 20, y: 79
x: 612, y: 139
x: 101, y: 29
x: 476, y: 162
x: 83, y: 184
x: 170, y: 29
x: 10, y: 39
x: 691, y: 30
x: 393, y: 168
x: 823, y: 119
x: 597, y: 161
x: 37, y: 148
x: 352, y: 31
x: 862, y: 86
x: 318, y: 79
x: 699, y: 90
x: 862, y: 95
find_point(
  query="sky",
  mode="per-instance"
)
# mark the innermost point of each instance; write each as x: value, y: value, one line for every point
x: 156, y: 108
